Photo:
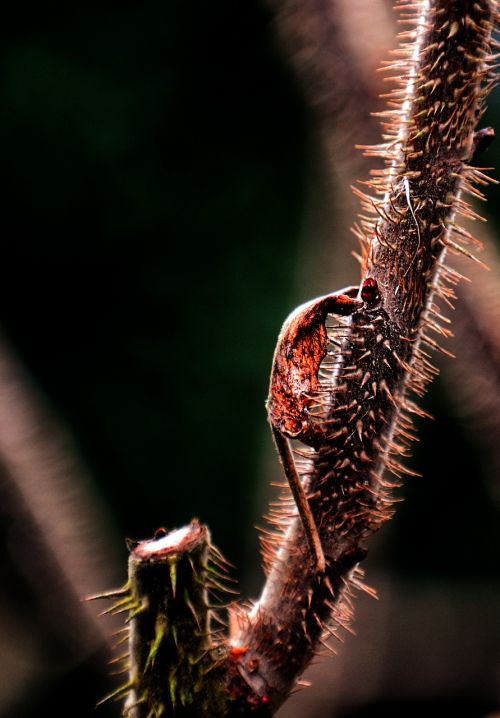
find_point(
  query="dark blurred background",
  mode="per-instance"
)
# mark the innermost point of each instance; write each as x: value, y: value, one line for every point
x: 162, y: 172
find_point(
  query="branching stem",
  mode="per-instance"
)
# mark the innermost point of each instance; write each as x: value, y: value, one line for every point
x: 354, y: 415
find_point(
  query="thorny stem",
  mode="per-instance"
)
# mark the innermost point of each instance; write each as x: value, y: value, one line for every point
x: 377, y: 357
x: 333, y: 68
x: 443, y: 77
x: 172, y: 648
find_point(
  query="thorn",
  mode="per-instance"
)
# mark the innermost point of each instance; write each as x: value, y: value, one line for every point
x: 160, y: 632
x: 192, y: 609
x: 117, y: 694
x: 120, y: 606
x: 140, y: 609
x: 116, y: 593
x: 113, y: 661
x: 172, y: 564
x: 131, y: 544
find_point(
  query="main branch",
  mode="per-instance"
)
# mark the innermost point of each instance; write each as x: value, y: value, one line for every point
x: 378, y: 357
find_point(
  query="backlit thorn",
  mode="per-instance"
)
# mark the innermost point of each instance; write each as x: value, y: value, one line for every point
x: 224, y: 576
x: 131, y: 706
x: 117, y: 694
x: 120, y: 607
x: 303, y: 683
x: 172, y: 684
x: 118, y: 659
x: 218, y: 606
x: 211, y: 582
x: 189, y: 604
x: 121, y: 641
x: 160, y: 632
x: 175, y: 635
x: 117, y: 593
x: 213, y: 550
x: 121, y: 631
x: 172, y: 565
x: 140, y: 609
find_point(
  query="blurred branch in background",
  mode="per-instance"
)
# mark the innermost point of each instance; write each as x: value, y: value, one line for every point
x: 335, y: 47
x: 55, y: 547
x: 473, y: 381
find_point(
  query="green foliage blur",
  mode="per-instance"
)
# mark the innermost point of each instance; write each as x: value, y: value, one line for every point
x: 153, y: 159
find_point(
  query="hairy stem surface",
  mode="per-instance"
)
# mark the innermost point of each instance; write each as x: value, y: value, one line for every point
x: 442, y: 76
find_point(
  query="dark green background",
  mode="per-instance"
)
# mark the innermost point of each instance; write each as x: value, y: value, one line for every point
x: 153, y: 163
x: 153, y: 157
